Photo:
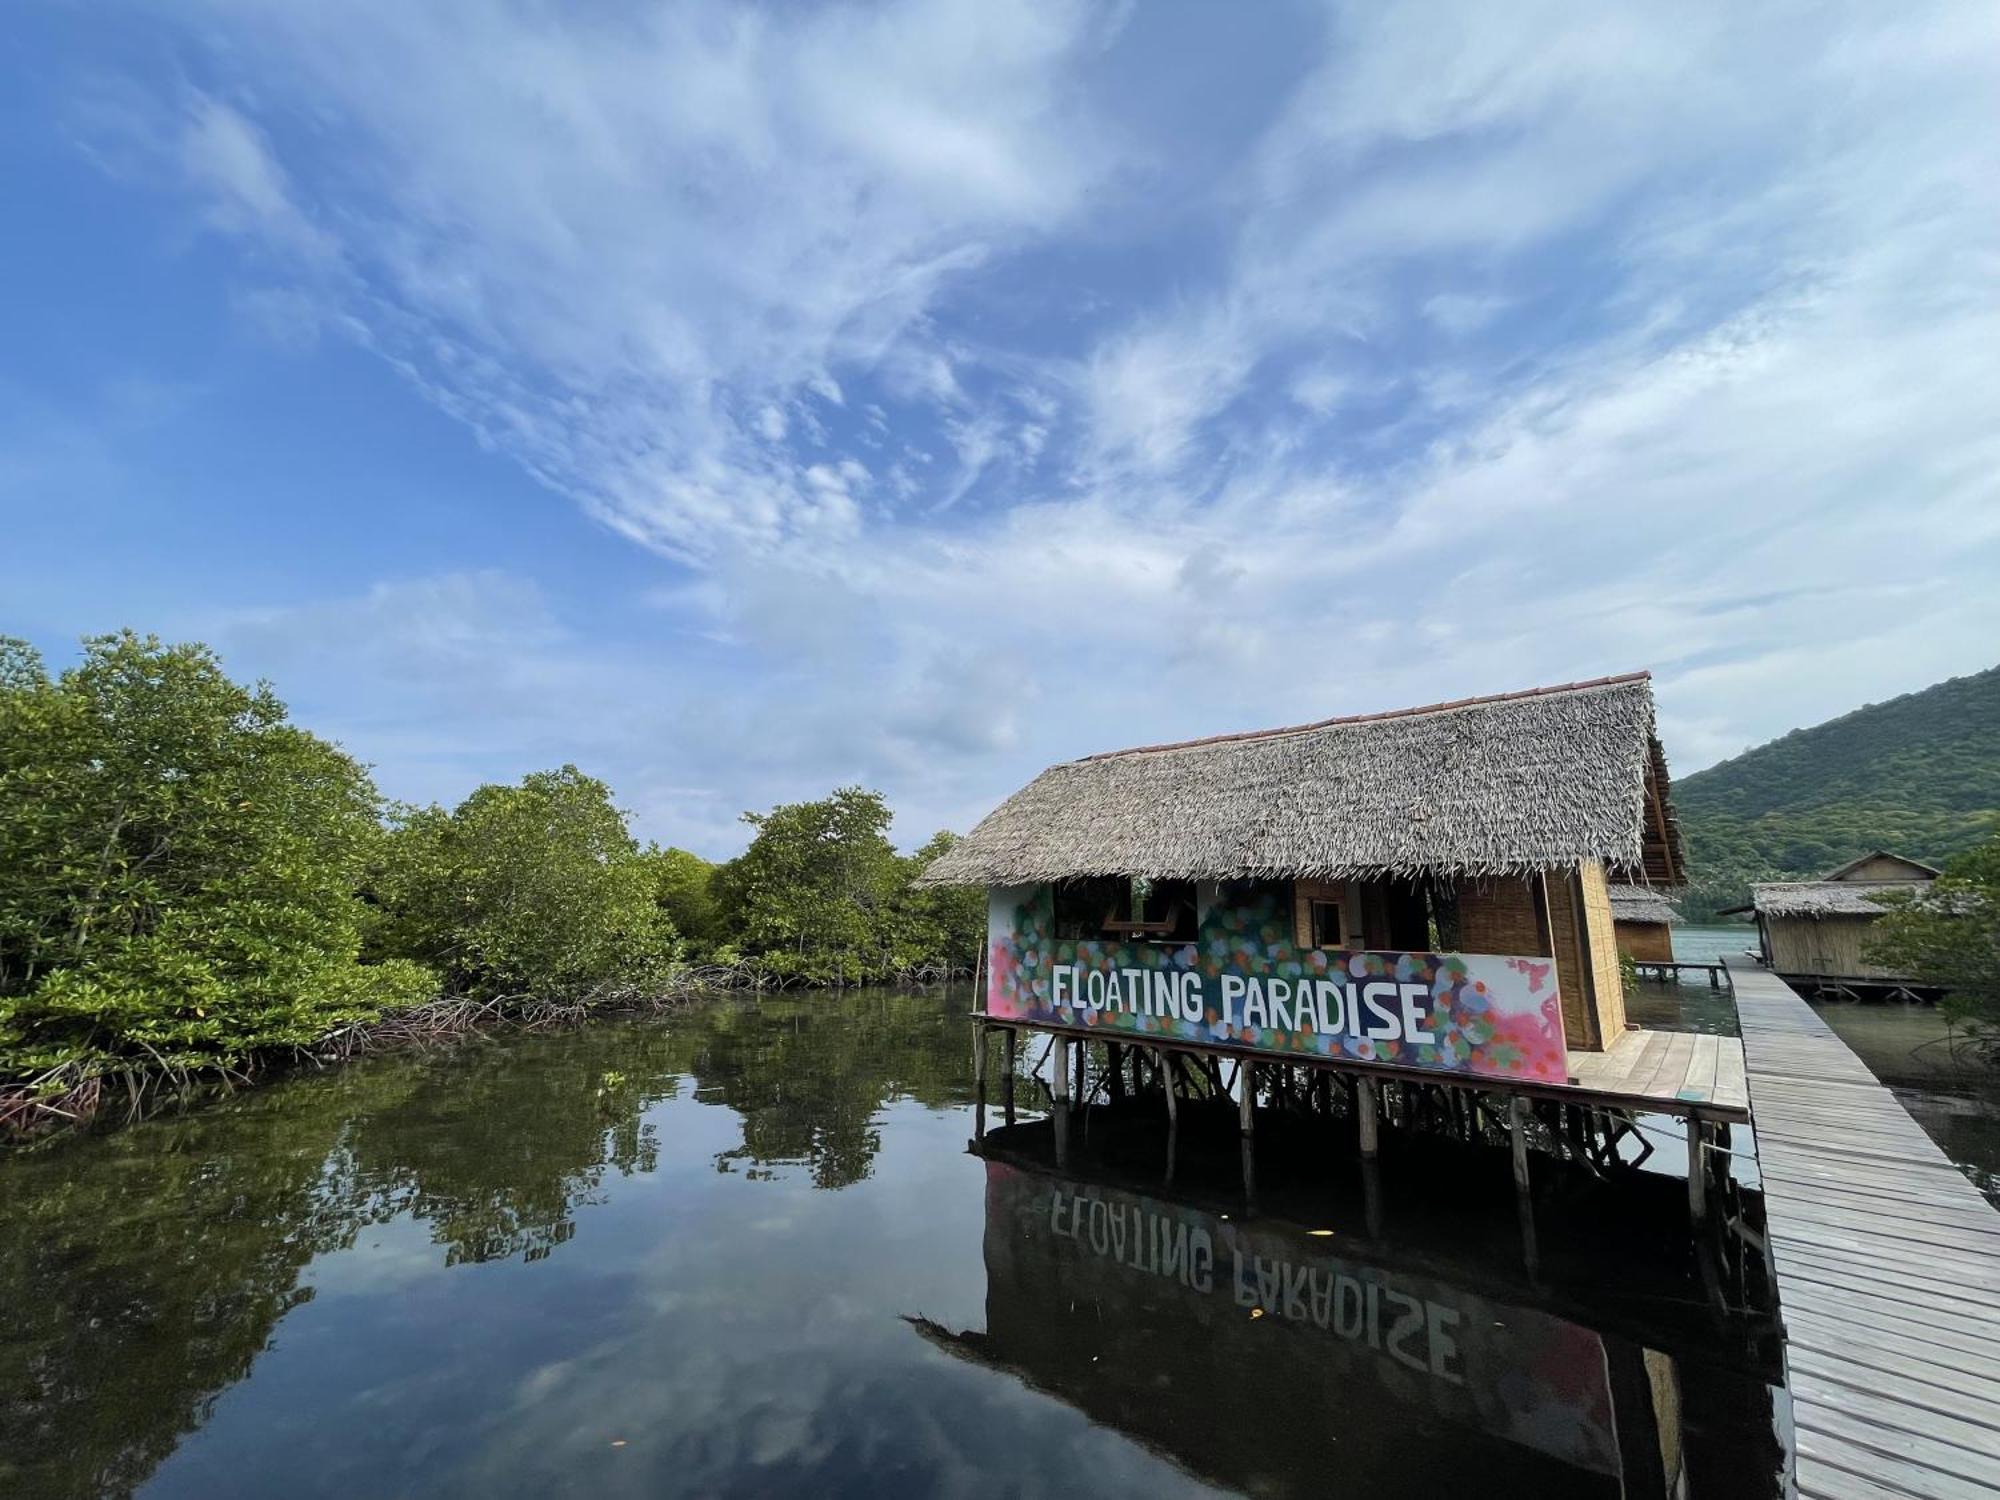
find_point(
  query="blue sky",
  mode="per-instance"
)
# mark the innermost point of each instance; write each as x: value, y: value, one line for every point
x: 745, y: 400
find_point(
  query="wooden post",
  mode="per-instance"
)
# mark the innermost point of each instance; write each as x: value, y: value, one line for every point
x: 1697, y: 1171
x: 1115, y: 1069
x: 1517, y: 1129
x: 1246, y: 1116
x: 1524, y: 1203
x: 1165, y: 1062
x: 1008, y: 1095
x: 1060, y: 1090
x: 979, y: 1080
x: 1370, y: 1123
x: 1082, y: 1059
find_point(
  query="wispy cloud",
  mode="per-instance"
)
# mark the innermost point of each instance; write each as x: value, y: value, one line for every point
x: 988, y: 423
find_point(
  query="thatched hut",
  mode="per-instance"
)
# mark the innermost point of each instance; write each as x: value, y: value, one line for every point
x: 1815, y: 932
x: 1643, y: 919
x: 1447, y: 867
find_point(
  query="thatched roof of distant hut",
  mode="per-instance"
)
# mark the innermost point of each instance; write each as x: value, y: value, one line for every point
x: 1483, y: 786
x: 1825, y: 898
x: 1641, y: 903
x: 1837, y: 893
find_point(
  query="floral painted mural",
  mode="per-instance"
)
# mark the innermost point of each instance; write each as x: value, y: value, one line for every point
x: 1244, y: 981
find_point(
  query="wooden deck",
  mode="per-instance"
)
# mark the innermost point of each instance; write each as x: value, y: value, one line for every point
x: 1888, y: 1268
x: 1653, y: 1072
x: 1670, y: 1072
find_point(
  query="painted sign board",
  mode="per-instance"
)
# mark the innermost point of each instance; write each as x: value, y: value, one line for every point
x: 1244, y: 981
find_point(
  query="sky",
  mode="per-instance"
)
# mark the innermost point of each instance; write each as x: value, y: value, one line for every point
x: 740, y: 401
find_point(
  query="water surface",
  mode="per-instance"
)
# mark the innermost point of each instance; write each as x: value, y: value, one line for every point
x: 747, y: 1251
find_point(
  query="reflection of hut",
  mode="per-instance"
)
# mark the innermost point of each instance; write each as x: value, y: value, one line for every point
x: 1642, y: 919
x: 1815, y: 932
x: 1401, y: 1372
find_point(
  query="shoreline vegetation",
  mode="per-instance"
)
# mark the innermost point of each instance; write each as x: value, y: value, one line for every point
x: 196, y: 895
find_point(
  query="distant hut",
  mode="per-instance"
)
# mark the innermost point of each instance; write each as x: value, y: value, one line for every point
x: 1643, y: 919
x: 1441, y: 850
x: 1813, y: 933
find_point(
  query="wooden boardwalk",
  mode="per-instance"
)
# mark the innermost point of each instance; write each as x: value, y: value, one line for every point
x: 1888, y: 1267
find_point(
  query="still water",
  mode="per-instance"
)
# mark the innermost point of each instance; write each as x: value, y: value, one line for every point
x: 746, y: 1251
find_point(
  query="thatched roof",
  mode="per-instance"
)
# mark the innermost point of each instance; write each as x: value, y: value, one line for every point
x: 1483, y: 786
x: 1825, y: 898
x: 1641, y: 903
x: 1913, y: 869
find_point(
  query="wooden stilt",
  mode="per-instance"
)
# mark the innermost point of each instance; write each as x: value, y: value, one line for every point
x: 1697, y: 1137
x: 1246, y: 1116
x: 979, y: 1080
x: 1059, y: 1074
x: 1365, y: 1112
x: 1517, y: 1129
x: 1524, y: 1202
x: 1007, y: 1096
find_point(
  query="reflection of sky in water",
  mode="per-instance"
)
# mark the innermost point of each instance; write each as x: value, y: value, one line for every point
x: 603, y: 1261
x: 735, y: 1336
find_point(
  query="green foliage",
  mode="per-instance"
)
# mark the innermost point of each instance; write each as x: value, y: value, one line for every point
x: 1949, y: 935
x: 684, y: 886
x: 178, y: 867
x: 946, y: 923
x: 1918, y: 775
x: 188, y: 880
x: 812, y: 895
x: 530, y: 891
x: 821, y: 895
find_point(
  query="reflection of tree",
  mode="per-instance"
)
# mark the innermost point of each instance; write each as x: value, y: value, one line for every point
x: 144, y: 1270
x: 809, y: 1075
x: 499, y: 1152
x: 143, y: 1273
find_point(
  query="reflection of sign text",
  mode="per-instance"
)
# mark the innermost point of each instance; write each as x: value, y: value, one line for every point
x: 1358, y: 1306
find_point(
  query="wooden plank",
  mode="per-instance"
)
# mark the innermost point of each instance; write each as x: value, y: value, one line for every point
x: 1901, y: 1379
x: 1946, y: 1444
x: 1871, y: 1194
x: 1671, y: 1067
x: 1732, y: 1084
x: 1619, y: 1063
x: 1913, y: 1306
x: 1699, y: 1081
x: 1820, y: 1481
x: 1873, y: 1339
x: 1828, y: 1454
x: 1886, y: 1268
x: 1949, y: 1229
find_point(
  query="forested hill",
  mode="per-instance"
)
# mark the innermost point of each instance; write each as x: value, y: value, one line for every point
x: 1919, y: 775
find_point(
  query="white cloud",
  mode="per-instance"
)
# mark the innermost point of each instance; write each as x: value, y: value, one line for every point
x: 792, y: 302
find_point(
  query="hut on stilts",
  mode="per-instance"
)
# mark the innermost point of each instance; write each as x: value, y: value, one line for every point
x: 1813, y: 934
x: 1403, y: 917
x: 1642, y: 919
